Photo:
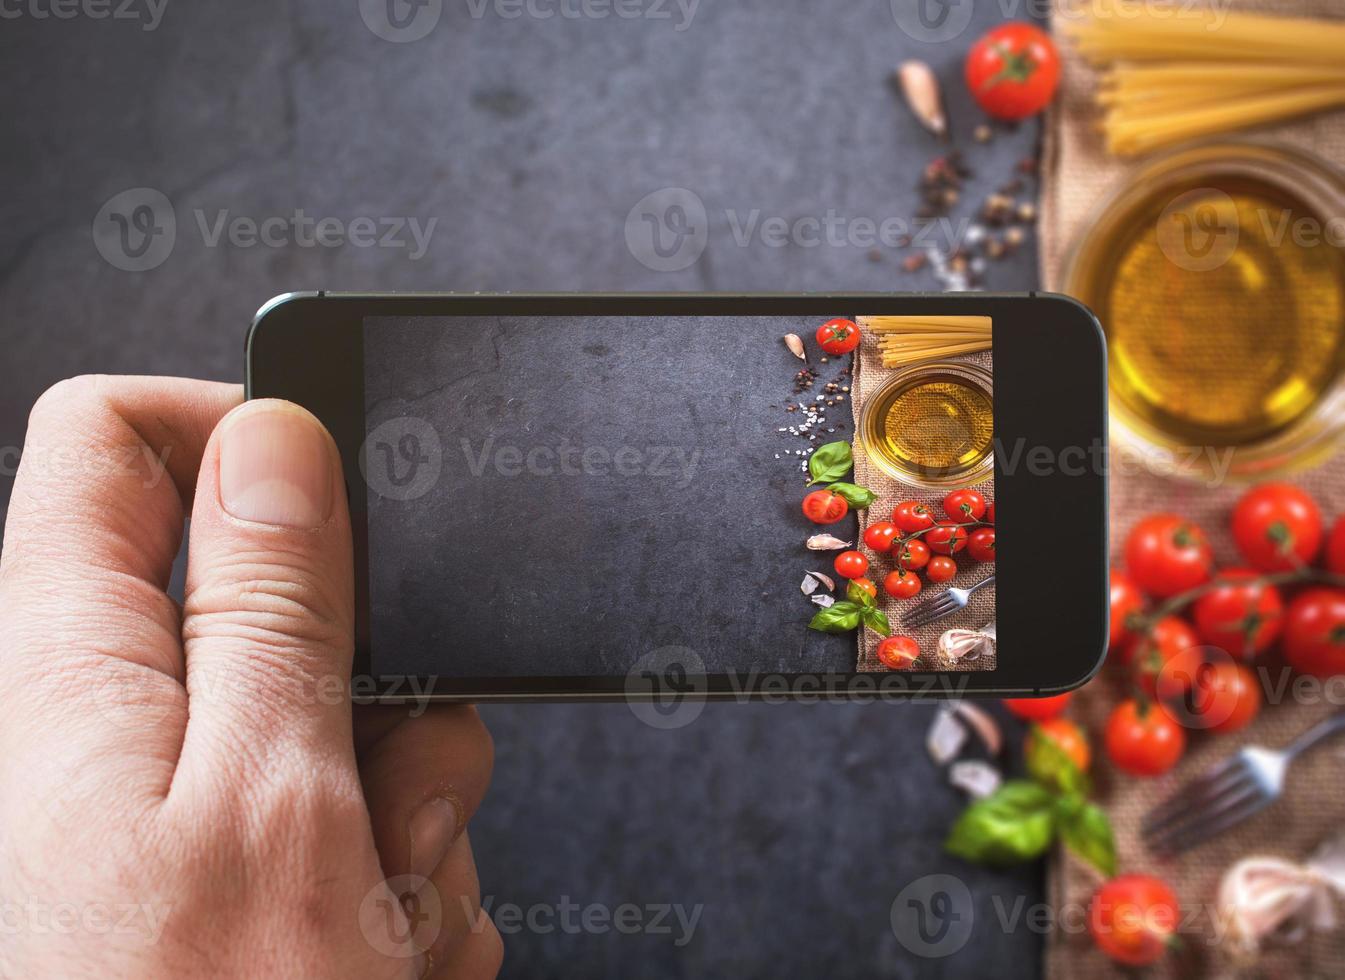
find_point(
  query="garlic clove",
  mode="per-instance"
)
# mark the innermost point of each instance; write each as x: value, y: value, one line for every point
x: 920, y: 87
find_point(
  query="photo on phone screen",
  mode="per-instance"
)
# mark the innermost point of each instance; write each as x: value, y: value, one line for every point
x: 555, y: 495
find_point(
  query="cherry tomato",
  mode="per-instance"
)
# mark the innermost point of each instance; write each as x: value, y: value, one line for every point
x: 851, y: 564
x: 947, y: 539
x: 1038, y: 709
x: 1147, y: 654
x: 1314, y: 632
x: 824, y: 507
x: 880, y: 535
x: 941, y: 568
x: 1176, y: 678
x: 1126, y: 601
x: 912, y: 554
x: 1239, y: 615
x: 901, y: 584
x: 1277, y: 527
x: 898, y: 652
x: 867, y: 585
x: 1335, y: 547
x: 1068, y: 736
x: 838, y: 336
x: 981, y: 544
x: 912, y: 515
x: 1013, y: 71
x: 1225, y: 698
x: 1166, y: 555
x: 1133, y: 918
x: 990, y: 512
x: 1143, y: 739
x: 964, y: 506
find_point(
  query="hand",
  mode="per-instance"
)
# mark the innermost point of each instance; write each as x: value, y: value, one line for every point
x: 184, y: 791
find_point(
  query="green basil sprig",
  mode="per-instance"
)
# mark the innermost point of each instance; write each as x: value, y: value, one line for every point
x: 1021, y: 819
x: 856, y: 496
x: 830, y: 462
x: 858, y: 607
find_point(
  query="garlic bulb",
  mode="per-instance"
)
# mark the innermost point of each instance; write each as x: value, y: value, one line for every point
x: 958, y: 645
x: 1264, y: 896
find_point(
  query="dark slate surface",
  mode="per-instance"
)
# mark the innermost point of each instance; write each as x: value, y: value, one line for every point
x: 531, y: 140
x: 637, y: 492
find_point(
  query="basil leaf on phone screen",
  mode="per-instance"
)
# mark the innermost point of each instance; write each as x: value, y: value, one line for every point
x: 839, y: 617
x: 829, y: 462
x: 855, y: 495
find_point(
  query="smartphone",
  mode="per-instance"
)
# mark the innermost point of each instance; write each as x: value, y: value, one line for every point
x: 631, y: 497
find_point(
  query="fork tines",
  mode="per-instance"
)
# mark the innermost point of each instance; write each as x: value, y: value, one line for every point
x: 1226, y: 794
x: 932, y: 609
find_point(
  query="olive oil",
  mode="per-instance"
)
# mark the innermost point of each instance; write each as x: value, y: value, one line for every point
x: 1224, y: 314
x: 931, y: 425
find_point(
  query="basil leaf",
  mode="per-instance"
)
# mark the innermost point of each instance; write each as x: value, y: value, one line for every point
x: 855, y: 495
x: 830, y: 462
x: 876, y: 620
x: 1015, y: 823
x: 1048, y: 764
x: 860, y: 597
x: 1088, y: 833
x: 839, y: 617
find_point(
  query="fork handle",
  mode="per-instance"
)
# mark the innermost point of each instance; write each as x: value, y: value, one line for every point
x: 985, y: 581
x: 1316, y: 733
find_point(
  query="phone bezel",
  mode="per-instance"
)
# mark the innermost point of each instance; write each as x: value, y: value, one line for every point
x: 1051, y: 624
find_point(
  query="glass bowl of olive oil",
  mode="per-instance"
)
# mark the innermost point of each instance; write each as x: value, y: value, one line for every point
x: 932, y: 425
x: 1218, y: 273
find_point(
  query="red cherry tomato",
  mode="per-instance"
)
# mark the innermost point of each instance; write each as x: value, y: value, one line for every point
x: 1314, y: 633
x: 824, y: 507
x: 990, y: 512
x: 1126, y: 601
x: 1335, y: 547
x: 1225, y: 698
x: 981, y: 544
x: 898, y: 652
x: 1277, y: 527
x: 964, y: 506
x: 1133, y: 918
x: 912, y: 554
x: 1068, y: 736
x: 851, y: 564
x: 1166, y: 555
x: 941, y: 568
x: 1176, y: 678
x: 947, y: 539
x: 1013, y: 71
x: 1239, y: 615
x: 912, y: 515
x: 880, y: 535
x: 1143, y: 739
x: 1038, y: 709
x: 901, y: 584
x: 1147, y: 654
x: 838, y: 336
x: 865, y: 584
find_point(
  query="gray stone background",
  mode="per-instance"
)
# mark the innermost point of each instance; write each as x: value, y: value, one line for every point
x: 531, y: 139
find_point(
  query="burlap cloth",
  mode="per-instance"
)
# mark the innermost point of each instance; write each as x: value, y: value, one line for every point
x: 1076, y: 173
x: 869, y: 376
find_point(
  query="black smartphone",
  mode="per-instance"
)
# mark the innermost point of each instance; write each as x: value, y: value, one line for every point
x: 564, y: 497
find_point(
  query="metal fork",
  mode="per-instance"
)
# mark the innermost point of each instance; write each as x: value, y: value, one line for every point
x: 1227, y: 793
x: 942, y: 605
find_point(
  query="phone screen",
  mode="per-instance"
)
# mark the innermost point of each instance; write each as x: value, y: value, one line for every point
x: 561, y: 495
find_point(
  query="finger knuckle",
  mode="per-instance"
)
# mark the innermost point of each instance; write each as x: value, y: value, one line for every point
x: 68, y: 398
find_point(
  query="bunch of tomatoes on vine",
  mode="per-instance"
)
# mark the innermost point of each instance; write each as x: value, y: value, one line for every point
x: 918, y: 542
x: 1187, y: 638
